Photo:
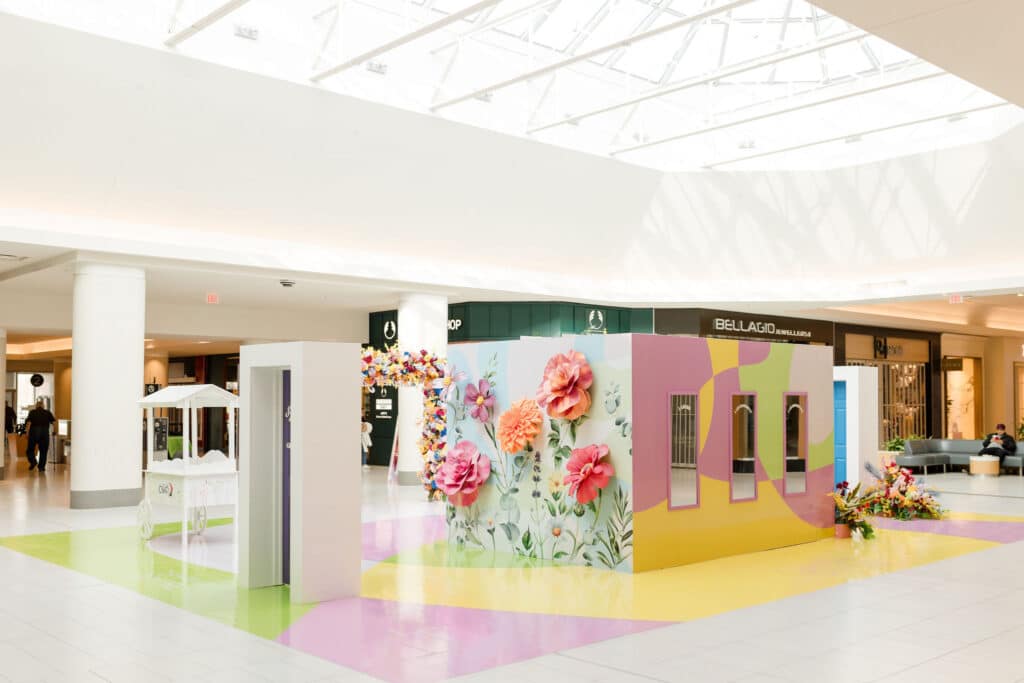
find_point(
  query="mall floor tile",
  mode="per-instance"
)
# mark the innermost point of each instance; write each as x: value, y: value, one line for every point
x: 88, y: 601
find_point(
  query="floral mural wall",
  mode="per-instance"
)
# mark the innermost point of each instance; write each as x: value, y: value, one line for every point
x: 539, y: 454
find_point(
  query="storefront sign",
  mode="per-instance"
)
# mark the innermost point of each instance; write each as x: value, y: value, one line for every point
x: 454, y: 324
x: 383, y: 405
x: 595, y: 319
x: 390, y: 330
x: 757, y: 327
x: 730, y: 325
x: 36, y: 380
x: 885, y: 349
x: 952, y: 364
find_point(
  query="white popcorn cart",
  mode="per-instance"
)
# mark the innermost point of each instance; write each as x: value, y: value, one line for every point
x: 190, y: 483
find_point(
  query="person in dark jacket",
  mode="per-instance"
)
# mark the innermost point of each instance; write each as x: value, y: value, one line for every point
x: 998, y: 443
x: 10, y: 419
x: 40, y: 424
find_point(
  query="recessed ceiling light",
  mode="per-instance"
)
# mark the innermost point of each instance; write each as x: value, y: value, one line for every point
x: 202, y: 342
x: 1020, y: 293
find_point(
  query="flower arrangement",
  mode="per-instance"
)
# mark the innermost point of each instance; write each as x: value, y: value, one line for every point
x: 851, y: 508
x: 393, y: 368
x: 899, y: 495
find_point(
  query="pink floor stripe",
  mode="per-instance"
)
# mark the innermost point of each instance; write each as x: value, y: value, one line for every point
x: 387, y: 537
x: 997, y: 532
x: 410, y: 643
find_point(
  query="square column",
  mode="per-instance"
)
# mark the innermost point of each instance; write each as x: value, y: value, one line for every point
x: 422, y: 324
x: 107, y: 340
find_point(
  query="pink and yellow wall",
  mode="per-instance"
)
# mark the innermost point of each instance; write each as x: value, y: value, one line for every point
x: 522, y: 513
x: 716, y: 370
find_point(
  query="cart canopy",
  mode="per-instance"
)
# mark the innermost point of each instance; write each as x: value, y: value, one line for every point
x: 191, y: 396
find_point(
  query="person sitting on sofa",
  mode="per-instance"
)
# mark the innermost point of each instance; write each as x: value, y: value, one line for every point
x: 998, y: 443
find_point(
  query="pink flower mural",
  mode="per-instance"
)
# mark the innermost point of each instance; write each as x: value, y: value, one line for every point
x: 563, y: 390
x: 480, y: 400
x: 463, y: 473
x: 589, y: 472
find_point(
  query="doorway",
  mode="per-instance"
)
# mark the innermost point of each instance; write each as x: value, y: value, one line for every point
x: 1017, y: 428
x: 962, y: 388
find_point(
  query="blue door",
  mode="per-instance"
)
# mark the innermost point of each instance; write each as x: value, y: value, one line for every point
x: 839, y: 403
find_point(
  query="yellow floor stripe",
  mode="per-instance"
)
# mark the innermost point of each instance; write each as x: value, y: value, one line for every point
x: 677, y: 594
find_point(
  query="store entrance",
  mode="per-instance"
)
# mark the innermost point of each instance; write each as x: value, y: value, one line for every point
x: 1017, y: 428
x: 962, y: 385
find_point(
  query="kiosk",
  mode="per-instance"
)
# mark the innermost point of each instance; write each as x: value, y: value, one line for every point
x: 189, y: 483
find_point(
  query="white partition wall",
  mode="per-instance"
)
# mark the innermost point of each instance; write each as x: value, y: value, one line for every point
x: 325, y: 482
x: 861, y: 418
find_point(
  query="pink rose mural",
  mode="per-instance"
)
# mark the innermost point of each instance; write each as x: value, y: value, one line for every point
x: 463, y: 473
x: 563, y: 391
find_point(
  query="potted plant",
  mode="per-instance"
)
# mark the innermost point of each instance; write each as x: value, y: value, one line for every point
x: 850, y: 508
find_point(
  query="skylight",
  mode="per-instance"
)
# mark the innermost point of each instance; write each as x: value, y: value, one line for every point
x: 668, y: 84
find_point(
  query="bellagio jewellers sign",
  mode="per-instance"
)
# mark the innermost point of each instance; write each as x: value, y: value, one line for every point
x: 728, y: 324
x: 758, y: 328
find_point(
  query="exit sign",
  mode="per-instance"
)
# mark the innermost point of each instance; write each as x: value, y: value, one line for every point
x: 212, y: 298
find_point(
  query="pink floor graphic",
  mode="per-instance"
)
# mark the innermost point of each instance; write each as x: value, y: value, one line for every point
x: 409, y: 643
x: 997, y: 532
x: 404, y: 642
x: 387, y: 537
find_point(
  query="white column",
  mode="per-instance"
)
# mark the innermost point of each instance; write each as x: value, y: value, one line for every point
x: 422, y: 324
x: 107, y: 330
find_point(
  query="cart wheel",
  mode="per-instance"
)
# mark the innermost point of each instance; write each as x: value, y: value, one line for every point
x: 144, y: 516
x: 199, y: 519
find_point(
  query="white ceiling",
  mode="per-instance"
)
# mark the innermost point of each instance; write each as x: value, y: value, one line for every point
x: 978, y: 40
x: 20, y: 255
x: 668, y: 84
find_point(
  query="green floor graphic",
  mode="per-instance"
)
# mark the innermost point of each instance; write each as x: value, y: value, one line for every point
x: 120, y: 557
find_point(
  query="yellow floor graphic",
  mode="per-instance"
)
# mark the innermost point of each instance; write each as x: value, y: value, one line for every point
x: 677, y: 594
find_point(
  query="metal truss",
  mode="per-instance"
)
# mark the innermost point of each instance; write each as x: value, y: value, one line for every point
x: 212, y: 17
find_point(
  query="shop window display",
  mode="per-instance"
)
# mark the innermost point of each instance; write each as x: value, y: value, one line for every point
x: 795, y: 435
x: 683, y: 470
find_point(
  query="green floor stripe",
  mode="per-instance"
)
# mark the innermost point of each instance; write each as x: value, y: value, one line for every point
x: 120, y: 557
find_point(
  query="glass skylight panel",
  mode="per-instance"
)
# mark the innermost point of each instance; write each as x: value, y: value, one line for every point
x: 704, y: 93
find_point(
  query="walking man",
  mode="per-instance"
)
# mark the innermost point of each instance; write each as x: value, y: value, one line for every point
x: 40, y: 424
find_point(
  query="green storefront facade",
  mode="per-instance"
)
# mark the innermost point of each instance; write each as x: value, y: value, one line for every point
x: 494, y: 321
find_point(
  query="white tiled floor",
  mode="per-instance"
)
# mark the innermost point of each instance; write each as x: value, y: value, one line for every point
x: 957, y: 620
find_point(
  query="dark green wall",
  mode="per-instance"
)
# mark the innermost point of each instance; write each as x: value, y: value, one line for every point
x: 492, y: 321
